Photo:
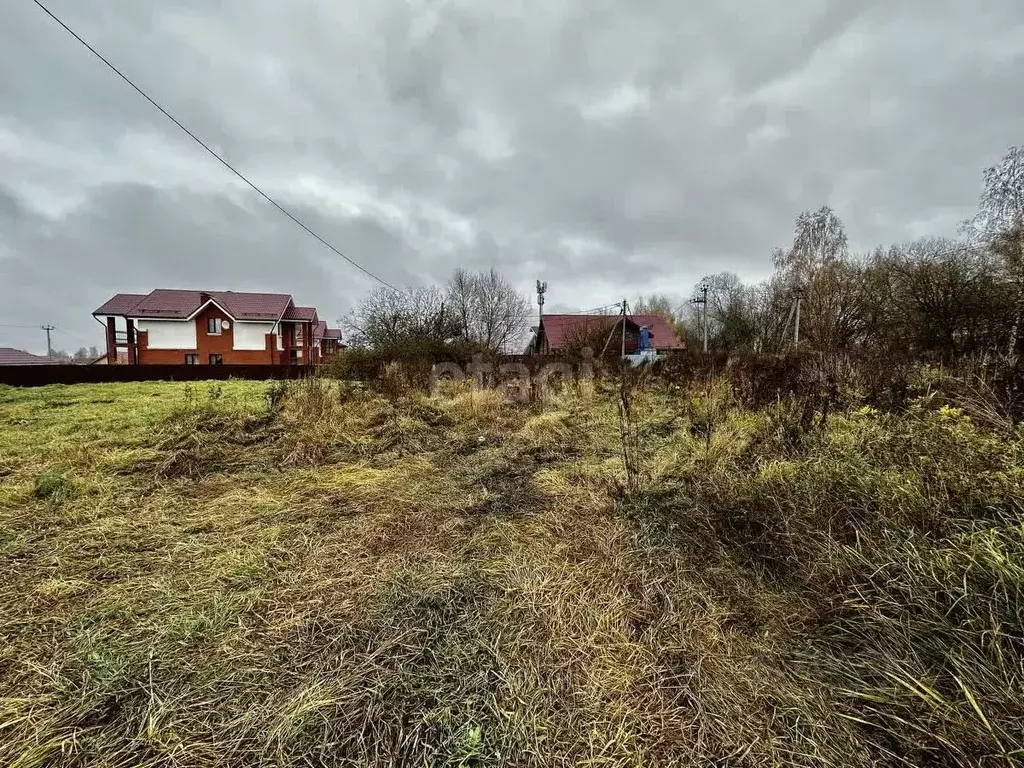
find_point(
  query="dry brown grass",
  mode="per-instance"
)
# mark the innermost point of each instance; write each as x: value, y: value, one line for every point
x: 242, y: 575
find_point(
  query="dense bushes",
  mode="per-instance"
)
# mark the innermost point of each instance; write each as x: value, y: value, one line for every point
x: 417, y: 355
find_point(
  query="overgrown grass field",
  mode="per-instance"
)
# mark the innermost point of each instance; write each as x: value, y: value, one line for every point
x: 241, y: 574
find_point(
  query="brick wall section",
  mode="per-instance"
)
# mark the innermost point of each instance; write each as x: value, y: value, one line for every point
x: 215, y: 344
x: 162, y: 357
x: 111, y: 341
x: 287, y: 342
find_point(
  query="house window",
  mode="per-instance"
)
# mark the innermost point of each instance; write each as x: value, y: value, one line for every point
x: 191, y: 359
x: 213, y: 325
x: 293, y: 357
x: 216, y: 359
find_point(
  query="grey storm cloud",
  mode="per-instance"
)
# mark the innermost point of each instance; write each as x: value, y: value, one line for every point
x: 609, y: 148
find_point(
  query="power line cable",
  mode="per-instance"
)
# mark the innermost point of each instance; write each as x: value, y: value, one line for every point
x: 202, y: 144
x: 54, y: 328
x: 75, y: 338
x: 577, y: 313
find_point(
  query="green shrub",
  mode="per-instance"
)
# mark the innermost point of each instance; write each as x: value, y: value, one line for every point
x: 53, y: 485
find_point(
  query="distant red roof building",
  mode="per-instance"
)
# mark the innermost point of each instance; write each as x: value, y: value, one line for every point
x: 327, y: 339
x: 561, y: 332
x: 11, y: 356
x: 211, y: 328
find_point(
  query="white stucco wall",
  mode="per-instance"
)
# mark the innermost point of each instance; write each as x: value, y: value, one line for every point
x: 251, y: 335
x: 169, y: 334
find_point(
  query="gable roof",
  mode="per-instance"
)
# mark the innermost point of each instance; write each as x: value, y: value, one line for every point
x: 301, y: 314
x: 121, y: 304
x: 320, y: 330
x: 253, y: 306
x: 333, y: 333
x: 563, y: 331
x: 11, y: 356
x: 663, y: 335
x: 181, y: 305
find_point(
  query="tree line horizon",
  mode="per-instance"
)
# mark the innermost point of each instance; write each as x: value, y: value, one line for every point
x: 929, y: 296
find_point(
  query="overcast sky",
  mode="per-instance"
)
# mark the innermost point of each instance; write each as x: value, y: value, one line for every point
x: 607, y: 147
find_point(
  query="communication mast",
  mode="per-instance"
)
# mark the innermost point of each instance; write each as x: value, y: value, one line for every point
x: 542, y: 288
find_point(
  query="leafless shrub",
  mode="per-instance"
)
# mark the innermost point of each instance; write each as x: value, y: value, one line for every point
x: 631, y: 384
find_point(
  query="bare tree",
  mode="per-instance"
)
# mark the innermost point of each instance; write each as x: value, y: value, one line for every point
x: 733, y: 313
x: 880, y: 310
x: 999, y: 225
x: 489, y: 310
x: 816, y: 267
x: 389, y: 317
x: 818, y: 239
x: 655, y: 304
x: 461, y: 298
x: 1008, y: 246
x: 945, y: 297
x: 594, y: 333
x: 1001, y: 204
x: 833, y: 305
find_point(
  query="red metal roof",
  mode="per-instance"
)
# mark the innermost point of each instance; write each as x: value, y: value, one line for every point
x: 563, y: 331
x: 176, y: 305
x: 10, y: 356
x: 663, y: 335
x: 301, y: 314
x: 321, y: 331
x: 253, y: 306
x: 121, y: 304
x: 179, y: 305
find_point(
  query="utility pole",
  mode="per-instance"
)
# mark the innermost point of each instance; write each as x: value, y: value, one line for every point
x: 49, y: 346
x: 704, y: 291
x: 624, y: 327
x: 703, y: 301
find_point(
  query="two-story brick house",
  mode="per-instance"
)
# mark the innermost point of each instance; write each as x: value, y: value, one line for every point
x: 173, y: 327
x: 326, y: 340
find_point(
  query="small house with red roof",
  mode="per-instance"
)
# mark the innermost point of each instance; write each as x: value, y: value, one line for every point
x: 603, y: 334
x: 172, y: 327
x: 11, y: 356
x: 326, y: 340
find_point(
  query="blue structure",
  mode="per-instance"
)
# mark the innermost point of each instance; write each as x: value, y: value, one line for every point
x: 645, y: 338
